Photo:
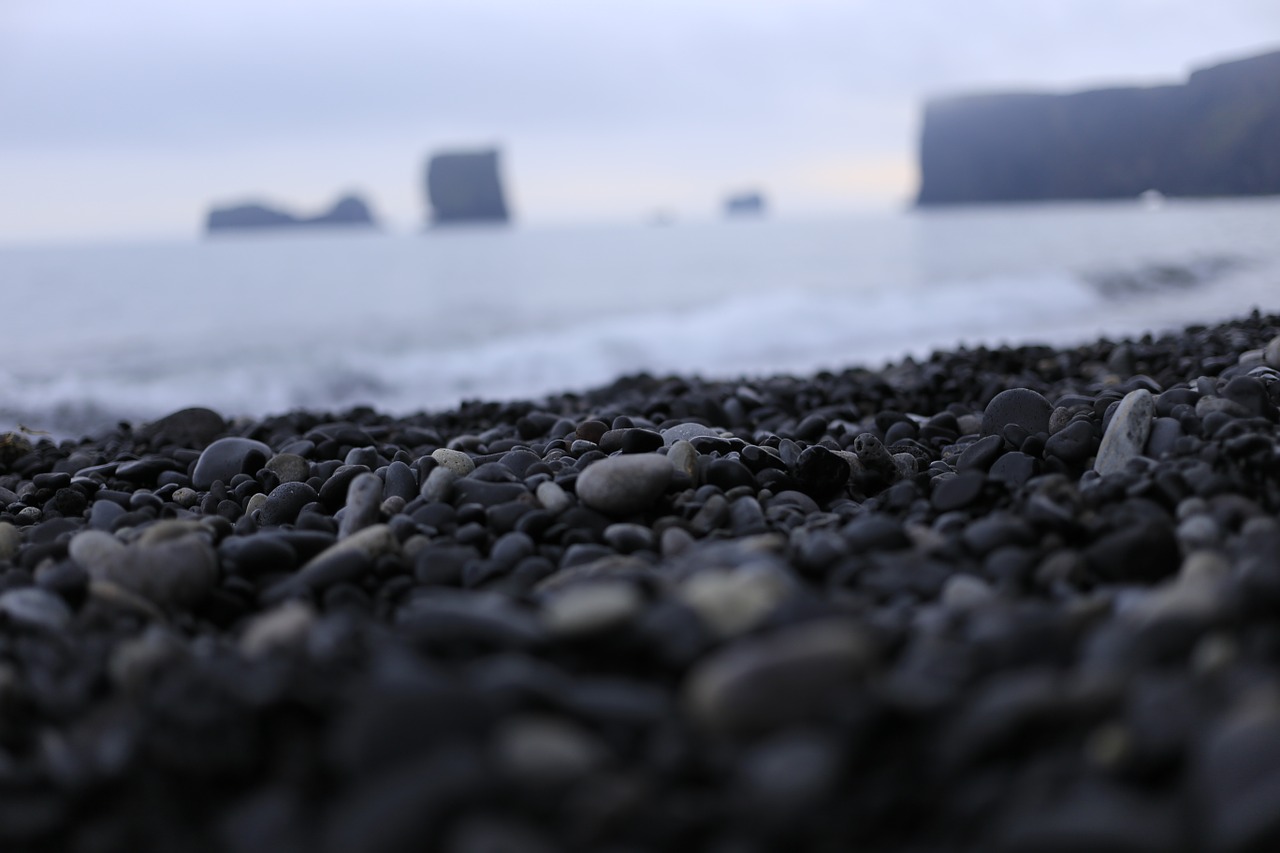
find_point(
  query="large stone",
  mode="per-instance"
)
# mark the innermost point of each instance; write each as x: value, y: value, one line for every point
x: 172, y: 568
x: 227, y: 457
x: 623, y: 485
x: 1019, y: 407
x: 194, y: 427
x: 1127, y: 432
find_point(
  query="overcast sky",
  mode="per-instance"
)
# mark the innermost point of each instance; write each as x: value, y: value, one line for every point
x: 127, y: 118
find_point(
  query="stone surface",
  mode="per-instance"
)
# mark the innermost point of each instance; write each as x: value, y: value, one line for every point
x: 226, y: 457
x: 1127, y: 433
x: 1020, y: 407
x: 623, y: 485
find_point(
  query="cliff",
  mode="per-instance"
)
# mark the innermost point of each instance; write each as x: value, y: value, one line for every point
x: 464, y: 186
x: 348, y: 210
x: 1216, y: 134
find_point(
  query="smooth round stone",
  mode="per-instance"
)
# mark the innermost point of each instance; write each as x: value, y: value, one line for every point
x: 1127, y: 432
x: 1164, y: 436
x: 958, y: 492
x: 1072, y: 444
x: 685, y: 432
x: 289, y: 467
x: 979, y: 455
x: 1271, y: 355
x: 364, y: 503
x: 543, y: 750
x: 623, y: 485
x: 35, y: 607
x: 172, y: 570
x: 627, y: 537
x: 281, y: 628
x: 454, y: 460
x: 285, y: 502
x: 185, y: 497
x: 193, y: 427
x: 822, y: 472
x: 785, y: 677
x: 10, y: 540
x: 963, y: 592
x: 1198, y: 531
x: 731, y: 601
x: 591, y: 608
x: 255, y: 502
x: 683, y: 456
x: 439, y: 484
x: 227, y: 457
x: 553, y: 497
x: 1019, y: 407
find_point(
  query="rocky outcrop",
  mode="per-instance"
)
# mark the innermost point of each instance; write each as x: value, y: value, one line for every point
x: 745, y: 204
x: 464, y: 186
x: 1217, y: 134
x: 348, y: 210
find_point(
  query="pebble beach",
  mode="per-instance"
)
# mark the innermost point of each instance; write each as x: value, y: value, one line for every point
x: 995, y: 599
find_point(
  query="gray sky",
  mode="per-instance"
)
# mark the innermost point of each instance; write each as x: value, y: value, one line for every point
x: 127, y: 118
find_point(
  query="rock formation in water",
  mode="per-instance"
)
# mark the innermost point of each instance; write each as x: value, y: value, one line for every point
x: 464, y: 186
x: 745, y: 204
x: 348, y: 210
x: 1217, y: 134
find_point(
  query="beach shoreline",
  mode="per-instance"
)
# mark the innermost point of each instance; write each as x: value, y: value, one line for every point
x: 1014, y: 598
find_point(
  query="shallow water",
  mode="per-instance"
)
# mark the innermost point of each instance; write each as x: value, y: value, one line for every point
x: 263, y: 323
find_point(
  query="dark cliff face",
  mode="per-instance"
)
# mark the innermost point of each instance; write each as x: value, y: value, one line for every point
x: 464, y: 186
x: 348, y: 210
x: 1218, y: 134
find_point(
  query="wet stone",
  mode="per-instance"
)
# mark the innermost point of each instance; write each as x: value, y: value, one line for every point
x: 227, y: 457
x: 285, y: 502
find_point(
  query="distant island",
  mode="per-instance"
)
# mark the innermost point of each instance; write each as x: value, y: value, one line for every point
x: 1218, y: 134
x: 465, y: 187
x: 350, y: 210
x: 745, y: 204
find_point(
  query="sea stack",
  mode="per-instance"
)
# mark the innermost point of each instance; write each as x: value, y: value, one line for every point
x: 347, y: 210
x: 464, y: 186
x: 745, y: 205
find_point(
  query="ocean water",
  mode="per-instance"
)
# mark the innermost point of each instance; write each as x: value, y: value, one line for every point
x: 264, y: 323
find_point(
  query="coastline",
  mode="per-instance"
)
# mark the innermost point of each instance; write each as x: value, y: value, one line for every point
x: 899, y: 609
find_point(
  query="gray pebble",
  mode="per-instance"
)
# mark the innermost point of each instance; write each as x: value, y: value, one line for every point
x: 364, y: 502
x: 439, y: 483
x: 622, y: 485
x: 1271, y: 355
x: 685, y: 432
x: 289, y: 467
x: 227, y: 457
x: 782, y: 678
x: 35, y: 607
x: 553, y: 498
x: 283, y: 627
x: 962, y: 592
x: 1127, y: 432
x: 169, y: 565
x: 732, y: 601
x: 542, y: 750
x: 10, y: 540
x: 1020, y: 407
x: 454, y: 460
x: 591, y: 608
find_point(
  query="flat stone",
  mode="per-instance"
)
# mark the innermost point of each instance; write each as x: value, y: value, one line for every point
x: 685, y: 432
x: 35, y: 607
x: 364, y: 502
x: 591, y: 608
x: 193, y: 427
x: 780, y: 679
x: 455, y: 460
x: 289, y: 467
x: 553, y: 498
x: 10, y: 540
x: 226, y: 457
x: 281, y: 628
x: 623, y: 485
x: 1019, y: 407
x: 732, y: 601
x: 1127, y: 432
